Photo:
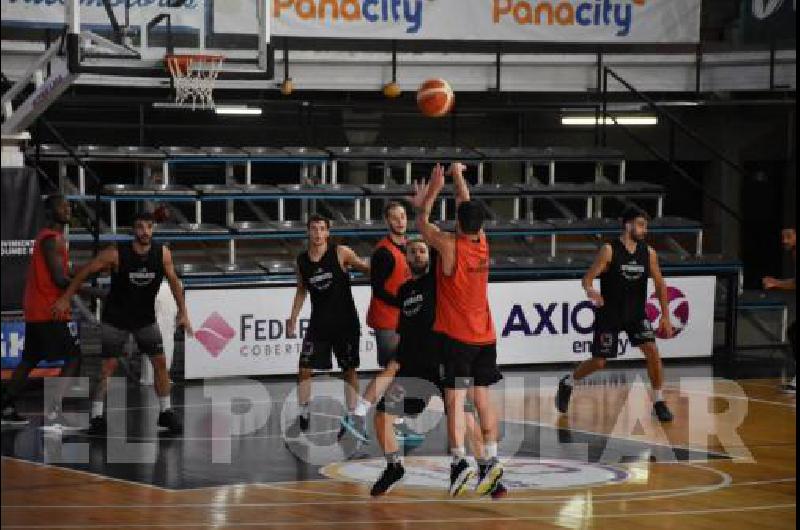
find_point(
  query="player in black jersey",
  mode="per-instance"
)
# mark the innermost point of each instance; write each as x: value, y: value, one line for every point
x: 419, y: 370
x: 137, y: 269
x: 334, y: 328
x: 624, y: 267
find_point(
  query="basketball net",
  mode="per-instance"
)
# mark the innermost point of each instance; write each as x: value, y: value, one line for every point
x: 194, y: 77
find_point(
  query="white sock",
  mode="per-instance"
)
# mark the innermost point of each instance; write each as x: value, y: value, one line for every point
x: 399, y: 421
x: 97, y: 409
x: 164, y: 403
x: 491, y: 450
x: 569, y: 381
x: 458, y: 454
x: 362, y: 407
x: 658, y: 395
x: 304, y: 409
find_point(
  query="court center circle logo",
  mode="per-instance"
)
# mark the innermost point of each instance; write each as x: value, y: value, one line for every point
x: 520, y: 473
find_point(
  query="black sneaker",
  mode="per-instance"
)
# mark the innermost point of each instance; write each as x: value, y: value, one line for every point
x: 563, y: 395
x: 500, y: 491
x: 662, y: 412
x: 390, y: 477
x: 300, y: 424
x: 97, y: 426
x: 304, y: 421
x: 10, y: 417
x: 170, y: 420
x: 489, y: 477
x: 460, y: 475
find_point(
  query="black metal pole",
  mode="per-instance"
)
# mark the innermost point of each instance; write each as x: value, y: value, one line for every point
x: 170, y: 46
x: 141, y: 125
x: 677, y: 169
x: 731, y: 317
x: 678, y: 123
x: 603, y: 138
x: 698, y: 63
x: 671, y: 144
x: 772, y: 65
x: 599, y: 90
x: 285, y: 58
x: 394, y: 61
x: 497, y: 70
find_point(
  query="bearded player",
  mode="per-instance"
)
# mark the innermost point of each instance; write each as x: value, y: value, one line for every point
x: 419, y: 371
x: 624, y: 267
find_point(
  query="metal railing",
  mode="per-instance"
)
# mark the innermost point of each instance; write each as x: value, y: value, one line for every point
x: 96, y: 222
x: 674, y: 123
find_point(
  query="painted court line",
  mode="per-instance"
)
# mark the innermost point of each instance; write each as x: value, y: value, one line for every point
x: 412, y: 522
x: 691, y: 490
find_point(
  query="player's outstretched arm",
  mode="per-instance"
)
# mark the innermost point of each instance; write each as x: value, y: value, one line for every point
x: 108, y: 259
x: 598, y: 267
x: 177, y: 292
x: 425, y: 195
x: 665, y: 324
x: 350, y: 260
x: 460, y: 187
x: 297, y: 305
x: 789, y: 284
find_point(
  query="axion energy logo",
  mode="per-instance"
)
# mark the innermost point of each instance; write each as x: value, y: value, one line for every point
x: 408, y: 12
x: 618, y: 15
x: 214, y: 334
x: 678, y: 309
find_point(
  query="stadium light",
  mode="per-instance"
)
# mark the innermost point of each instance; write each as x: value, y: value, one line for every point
x: 584, y: 120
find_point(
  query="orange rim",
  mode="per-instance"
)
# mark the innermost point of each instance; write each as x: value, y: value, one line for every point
x: 181, y: 62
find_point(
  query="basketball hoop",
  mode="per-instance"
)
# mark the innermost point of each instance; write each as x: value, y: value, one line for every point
x: 194, y: 77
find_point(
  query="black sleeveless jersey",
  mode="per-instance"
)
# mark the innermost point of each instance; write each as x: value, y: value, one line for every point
x: 418, y: 352
x: 134, y: 285
x: 417, y: 299
x: 333, y: 310
x: 624, y: 284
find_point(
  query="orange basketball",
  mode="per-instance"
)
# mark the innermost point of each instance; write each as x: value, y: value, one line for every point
x: 435, y: 98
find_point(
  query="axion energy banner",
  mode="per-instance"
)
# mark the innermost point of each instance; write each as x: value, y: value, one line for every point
x: 589, y: 21
x: 241, y: 332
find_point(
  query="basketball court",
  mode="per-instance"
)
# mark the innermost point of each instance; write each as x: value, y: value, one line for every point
x: 235, y: 126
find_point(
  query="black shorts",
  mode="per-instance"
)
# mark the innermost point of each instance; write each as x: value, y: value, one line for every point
x: 410, y: 393
x: 318, y: 354
x: 606, y: 336
x: 114, y: 339
x: 50, y: 341
x: 420, y: 353
x: 467, y: 365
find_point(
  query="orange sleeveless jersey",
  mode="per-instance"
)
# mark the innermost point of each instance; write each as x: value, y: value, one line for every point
x: 381, y: 315
x: 40, y: 290
x: 462, y: 299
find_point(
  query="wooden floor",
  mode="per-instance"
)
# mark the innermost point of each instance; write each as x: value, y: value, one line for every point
x: 755, y: 489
